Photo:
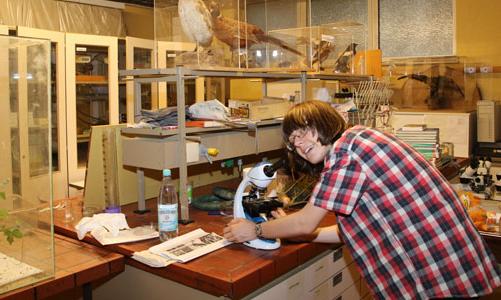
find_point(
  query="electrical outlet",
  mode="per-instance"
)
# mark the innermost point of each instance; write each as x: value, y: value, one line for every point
x: 470, y: 70
x: 486, y: 69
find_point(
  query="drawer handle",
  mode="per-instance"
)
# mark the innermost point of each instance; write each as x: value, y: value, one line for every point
x: 294, y: 285
x: 338, y: 254
x: 319, y: 268
x: 337, y: 279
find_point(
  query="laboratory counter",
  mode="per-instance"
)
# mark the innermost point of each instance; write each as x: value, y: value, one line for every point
x: 233, y: 271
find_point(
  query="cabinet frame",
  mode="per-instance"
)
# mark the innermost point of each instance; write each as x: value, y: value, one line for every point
x: 130, y: 44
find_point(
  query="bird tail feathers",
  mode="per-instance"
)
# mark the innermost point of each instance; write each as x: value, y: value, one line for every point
x: 280, y: 43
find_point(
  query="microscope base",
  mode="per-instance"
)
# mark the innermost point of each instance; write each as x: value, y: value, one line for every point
x: 263, y: 244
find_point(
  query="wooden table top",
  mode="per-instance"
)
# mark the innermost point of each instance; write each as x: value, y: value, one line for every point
x: 233, y: 271
x: 77, y: 263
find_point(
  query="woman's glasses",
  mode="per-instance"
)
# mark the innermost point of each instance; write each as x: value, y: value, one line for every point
x: 296, y: 134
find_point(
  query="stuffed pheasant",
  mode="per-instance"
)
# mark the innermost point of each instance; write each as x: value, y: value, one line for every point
x: 238, y: 34
x: 196, y: 21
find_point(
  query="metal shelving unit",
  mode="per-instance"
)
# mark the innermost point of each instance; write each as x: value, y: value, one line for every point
x: 179, y: 75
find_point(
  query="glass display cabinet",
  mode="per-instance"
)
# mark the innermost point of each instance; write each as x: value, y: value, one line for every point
x: 350, y: 41
x: 58, y: 110
x: 26, y: 246
x: 233, y: 33
x: 92, y: 93
x: 334, y: 48
x: 433, y: 84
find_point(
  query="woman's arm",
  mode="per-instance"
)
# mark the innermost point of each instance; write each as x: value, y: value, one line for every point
x: 329, y: 234
x: 303, y: 222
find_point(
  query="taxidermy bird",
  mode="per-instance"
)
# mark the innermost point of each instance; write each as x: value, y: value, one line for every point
x: 343, y: 61
x: 439, y: 86
x: 227, y: 31
x: 196, y: 21
x: 322, y: 52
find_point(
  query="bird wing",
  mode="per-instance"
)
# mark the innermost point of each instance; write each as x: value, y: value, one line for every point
x: 227, y: 31
x: 343, y: 60
x: 322, y: 51
x: 196, y: 21
x: 233, y: 32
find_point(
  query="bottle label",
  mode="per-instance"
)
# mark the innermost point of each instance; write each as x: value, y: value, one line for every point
x: 167, y: 217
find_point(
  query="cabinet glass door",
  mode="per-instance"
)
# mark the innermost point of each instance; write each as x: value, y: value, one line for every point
x: 27, y: 68
x: 58, y: 111
x: 139, y: 55
x: 92, y: 93
x: 167, y: 92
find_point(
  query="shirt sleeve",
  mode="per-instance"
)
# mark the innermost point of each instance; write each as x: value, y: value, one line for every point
x: 341, y: 185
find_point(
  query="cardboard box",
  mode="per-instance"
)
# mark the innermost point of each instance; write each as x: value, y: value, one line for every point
x: 267, y: 108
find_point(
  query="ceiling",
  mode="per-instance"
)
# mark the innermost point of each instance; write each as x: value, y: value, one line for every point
x: 148, y: 3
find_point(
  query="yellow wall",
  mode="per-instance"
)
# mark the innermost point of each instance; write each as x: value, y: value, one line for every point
x: 478, y: 38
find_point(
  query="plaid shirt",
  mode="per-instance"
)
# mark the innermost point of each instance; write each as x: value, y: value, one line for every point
x: 407, y: 231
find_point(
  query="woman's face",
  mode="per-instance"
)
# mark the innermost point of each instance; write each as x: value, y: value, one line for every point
x: 307, y: 145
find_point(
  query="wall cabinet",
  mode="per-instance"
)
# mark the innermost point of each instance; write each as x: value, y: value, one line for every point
x: 92, y: 93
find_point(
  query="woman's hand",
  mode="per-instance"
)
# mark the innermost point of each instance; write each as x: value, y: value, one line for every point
x: 240, y: 230
x: 279, y: 213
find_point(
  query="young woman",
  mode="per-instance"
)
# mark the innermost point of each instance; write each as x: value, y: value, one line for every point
x: 407, y: 231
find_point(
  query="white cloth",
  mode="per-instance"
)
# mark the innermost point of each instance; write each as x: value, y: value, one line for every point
x: 211, y: 110
x: 105, y: 237
x: 152, y: 260
x: 321, y: 94
x: 112, y: 222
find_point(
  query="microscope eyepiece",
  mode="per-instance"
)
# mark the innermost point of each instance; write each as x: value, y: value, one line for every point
x: 270, y: 170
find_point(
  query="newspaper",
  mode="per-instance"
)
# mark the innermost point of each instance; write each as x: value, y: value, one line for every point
x: 189, y: 246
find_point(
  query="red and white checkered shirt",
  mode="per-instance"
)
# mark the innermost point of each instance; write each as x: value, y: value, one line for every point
x: 408, y: 232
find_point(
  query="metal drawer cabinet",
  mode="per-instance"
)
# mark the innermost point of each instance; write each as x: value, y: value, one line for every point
x: 335, y: 286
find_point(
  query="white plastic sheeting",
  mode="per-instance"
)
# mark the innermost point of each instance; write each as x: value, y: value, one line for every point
x: 63, y: 16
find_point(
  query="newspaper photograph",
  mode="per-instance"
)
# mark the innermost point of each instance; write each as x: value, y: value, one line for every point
x: 189, y: 246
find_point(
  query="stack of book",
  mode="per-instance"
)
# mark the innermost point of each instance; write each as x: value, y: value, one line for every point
x: 424, y: 140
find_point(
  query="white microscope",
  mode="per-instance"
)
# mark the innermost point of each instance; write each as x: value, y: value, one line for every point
x: 258, y: 177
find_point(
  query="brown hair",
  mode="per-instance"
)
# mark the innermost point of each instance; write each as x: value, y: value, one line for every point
x: 314, y: 115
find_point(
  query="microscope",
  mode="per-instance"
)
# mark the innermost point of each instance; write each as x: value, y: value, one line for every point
x: 477, y: 176
x: 254, y: 208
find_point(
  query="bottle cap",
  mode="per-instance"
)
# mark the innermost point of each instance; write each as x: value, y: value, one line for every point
x: 166, y: 172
